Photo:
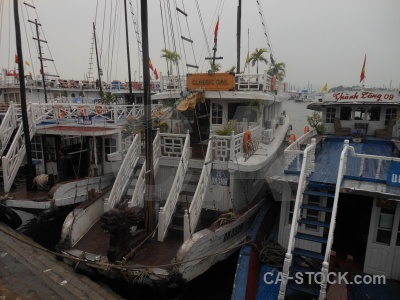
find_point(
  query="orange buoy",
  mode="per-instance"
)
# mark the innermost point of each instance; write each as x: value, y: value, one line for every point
x: 292, y: 138
x: 82, y: 110
x: 306, y: 129
x: 99, y: 109
x: 247, y: 141
x: 61, y: 111
x: 273, y: 83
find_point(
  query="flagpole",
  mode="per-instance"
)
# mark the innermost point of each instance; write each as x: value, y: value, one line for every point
x: 248, y: 50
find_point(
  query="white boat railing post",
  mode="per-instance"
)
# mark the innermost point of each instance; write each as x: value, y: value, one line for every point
x: 325, y: 264
x: 305, y: 171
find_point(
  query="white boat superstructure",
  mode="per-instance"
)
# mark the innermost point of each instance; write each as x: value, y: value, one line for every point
x: 208, y: 177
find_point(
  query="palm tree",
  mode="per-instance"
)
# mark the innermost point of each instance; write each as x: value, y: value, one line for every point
x: 279, y: 70
x: 257, y: 56
x: 215, y: 67
x: 231, y: 70
x: 171, y: 57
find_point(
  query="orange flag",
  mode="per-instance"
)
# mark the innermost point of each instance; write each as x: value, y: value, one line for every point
x: 362, y: 76
x: 151, y: 65
x: 216, y: 30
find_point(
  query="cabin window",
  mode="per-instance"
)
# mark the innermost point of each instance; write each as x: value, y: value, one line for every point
x: 36, y: 147
x: 242, y: 112
x: 110, y: 146
x: 216, y: 113
x: 345, y: 113
x: 385, y: 221
x: 359, y: 113
x: 374, y: 113
x: 391, y: 113
x: 330, y: 114
x: 12, y: 97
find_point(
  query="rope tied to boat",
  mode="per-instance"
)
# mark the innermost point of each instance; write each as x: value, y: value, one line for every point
x: 226, y: 218
x: 272, y: 253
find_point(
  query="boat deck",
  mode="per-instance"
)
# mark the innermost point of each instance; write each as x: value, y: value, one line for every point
x: 327, y: 159
x: 151, y: 253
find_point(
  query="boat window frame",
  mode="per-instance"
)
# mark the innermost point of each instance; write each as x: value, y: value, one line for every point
x: 330, y: 114
x: 217, y: 113
x: 342, y: 113
x: 390, y: 113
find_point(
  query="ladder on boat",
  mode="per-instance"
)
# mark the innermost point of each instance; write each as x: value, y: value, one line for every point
x: 14, y: 150
x: 319, y: 215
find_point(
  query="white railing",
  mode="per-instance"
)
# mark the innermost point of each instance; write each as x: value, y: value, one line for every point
x: 169, y: 83
x: 293, y: 150
x: 306, y: 169
x: 12, y: 161
x: 191, y: 217
x: 165, y: 214
x: 125, y: 172
x: 100, y: 113
x: 172, y: 144
x: 7, y: 126
x: 229, y: 147
x: 139, y: 191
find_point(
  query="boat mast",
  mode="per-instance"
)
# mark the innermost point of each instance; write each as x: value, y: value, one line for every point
x: 147, y: 117
x: 239, y: 28
x: 130, y: 101
x: 99, y: 72
x: 30, y: 171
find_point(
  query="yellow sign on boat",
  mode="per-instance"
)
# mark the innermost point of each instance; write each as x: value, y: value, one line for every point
x: 211, y: 82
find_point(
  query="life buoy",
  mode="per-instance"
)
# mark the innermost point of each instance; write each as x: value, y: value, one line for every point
x: 292, y: 139
x: 273, y: 83
x: 306, y: 129
x: 9, y: 217
x: 247, y: 141
x: 82, y: 111
x: 99, y: 109
x: 60, y: 111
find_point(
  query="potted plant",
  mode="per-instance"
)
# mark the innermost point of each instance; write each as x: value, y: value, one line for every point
x: 316, y: 122
x: 357, y: 136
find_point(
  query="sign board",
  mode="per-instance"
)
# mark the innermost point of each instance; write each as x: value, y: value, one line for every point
x: 85, y: 120
x: 211, y: 82
x: 362, y: 96
x: 220, y: 177
x: 393, y: 177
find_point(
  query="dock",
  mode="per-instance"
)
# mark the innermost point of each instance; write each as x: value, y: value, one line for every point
x: 30, y: 271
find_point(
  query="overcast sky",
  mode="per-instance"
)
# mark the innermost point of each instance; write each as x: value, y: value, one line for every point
x: 320, y: 41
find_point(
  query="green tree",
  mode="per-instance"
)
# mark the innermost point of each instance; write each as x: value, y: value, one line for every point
x: 258, y: 56
x: 171, y: 57
x: 231, y: 70
x: 279, y: 70
x: 216, y: 67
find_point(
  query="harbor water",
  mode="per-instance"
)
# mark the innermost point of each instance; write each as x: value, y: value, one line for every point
x: 217, y: 282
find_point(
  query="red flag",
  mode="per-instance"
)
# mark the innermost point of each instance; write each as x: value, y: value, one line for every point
x: 362, y: 76
x: 151, y: 65
x: 156, y: 74
x: 41, y: 71
x: 216, y: 30
x: 16, y: 58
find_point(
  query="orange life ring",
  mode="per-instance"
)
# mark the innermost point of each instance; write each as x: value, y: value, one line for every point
x: 247, y: 141
x: 99, y: 109
x: 306, y: 129
x: 273, y: 83
x: 292, y: 139
x: 60, y: 111
x: 82, y: 110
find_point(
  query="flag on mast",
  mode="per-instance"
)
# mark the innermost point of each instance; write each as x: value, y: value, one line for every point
x: 27, y: 63
x: 216, y: 30
x: 362, y: 76
x: 324, y: 88
x: 16, y: 58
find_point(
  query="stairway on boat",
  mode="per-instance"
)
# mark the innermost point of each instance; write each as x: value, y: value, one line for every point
x: 185, y: 199
x: 305, y: 260
x: 130, y: 188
